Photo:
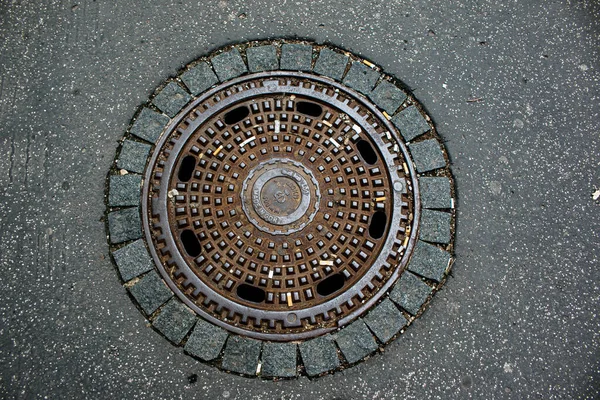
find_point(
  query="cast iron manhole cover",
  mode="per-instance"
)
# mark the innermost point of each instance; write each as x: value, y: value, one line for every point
x: 287, y: 190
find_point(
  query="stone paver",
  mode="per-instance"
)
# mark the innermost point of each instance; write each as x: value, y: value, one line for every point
x: 133, y: 260
x: 150, y: 292
x: 199, y: 78
x: 124, y: 190
x: 331, y: 63
x: 241, y: 355
x: 124, y: 225
x: 206, y: 340
x: 149, y: 124
x: 356, y: 341
x: 410, y: 293
x: 133, y: 156
x: 388, y: 96
x: 410, y: 123
x: 319, y: 355
x: 229, y: 65
x: 385, y: 320
x: 279, y: 359
x: 435, y: 192
x: 296, y: 57
x: 361, y: 77
x: 435, y: 226
x: 427, y: 155
x: 429, y: 261
x: 262, y: 58
x: 171, y: 99
x: 174, y: 321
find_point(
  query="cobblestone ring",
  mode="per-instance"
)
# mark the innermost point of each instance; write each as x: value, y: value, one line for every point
x: 281, y: 208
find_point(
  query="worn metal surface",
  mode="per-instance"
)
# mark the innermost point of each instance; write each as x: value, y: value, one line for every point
x: 281, y: 199
x: 280, y: 196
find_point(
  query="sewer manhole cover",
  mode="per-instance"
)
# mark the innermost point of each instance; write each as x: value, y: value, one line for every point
x: 281, y: 209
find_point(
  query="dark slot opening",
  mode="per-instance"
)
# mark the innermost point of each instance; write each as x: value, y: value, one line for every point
x: 308, y: 108
x: 251, y: 293
x: 377, y: 226
x: 366, y: 151
x: 236, y: 115
x: 330, y: 284
x: 190, y: 243
x: 186, y: 169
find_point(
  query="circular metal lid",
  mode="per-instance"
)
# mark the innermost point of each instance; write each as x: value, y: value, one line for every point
x: 280, y: 205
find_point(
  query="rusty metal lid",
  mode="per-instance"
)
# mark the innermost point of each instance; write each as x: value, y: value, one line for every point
x: 280, y: 205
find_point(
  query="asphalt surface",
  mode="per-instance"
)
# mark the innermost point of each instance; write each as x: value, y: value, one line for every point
x: 514, y: 90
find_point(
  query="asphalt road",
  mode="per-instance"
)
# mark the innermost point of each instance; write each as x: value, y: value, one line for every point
x: 514, y: 90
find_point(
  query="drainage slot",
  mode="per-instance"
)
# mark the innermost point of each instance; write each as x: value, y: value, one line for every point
x: 377, y: 226
x: 236, y: 115
x: 186, y: 169
x: 308, y: 108
x: 366, y: 151
x: 190, y: 243
x: 330, y: 285
x: 251, y: 293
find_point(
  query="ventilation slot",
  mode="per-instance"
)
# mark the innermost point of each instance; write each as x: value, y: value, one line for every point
x: 190, y: 243
x: 330, y: 285
x: 236, y: 115
x: 366, y: 151
x: 186, y: 169
x: 307, y: 108
x: 377, y: 226
x: 251, y: 293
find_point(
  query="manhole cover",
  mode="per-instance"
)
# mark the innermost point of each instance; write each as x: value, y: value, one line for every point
x: 281, y: 201
x: 280, y: 205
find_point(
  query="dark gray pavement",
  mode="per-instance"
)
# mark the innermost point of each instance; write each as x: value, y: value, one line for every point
x: 517, y: 319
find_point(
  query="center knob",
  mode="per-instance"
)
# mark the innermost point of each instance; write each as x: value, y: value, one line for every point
x: 281, y: 196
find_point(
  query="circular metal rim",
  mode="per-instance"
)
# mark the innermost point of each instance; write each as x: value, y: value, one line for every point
x: 360, y: 309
